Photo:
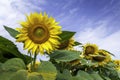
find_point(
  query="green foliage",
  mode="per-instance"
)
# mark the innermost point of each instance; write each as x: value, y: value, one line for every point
x: 77, y: 43
x: 9, y: 50
x: 47, y: 70
x: 83, y: 76
x: 11, y: 31
x: 64, y: 55
x: 65, y: 37
x: 65, y: 75
x: 9, y: 68
x: 96, y: 76
x: 14, y: 64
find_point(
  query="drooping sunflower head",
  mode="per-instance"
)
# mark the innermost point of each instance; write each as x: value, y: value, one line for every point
x: 102, y: 57
x: 39, y: 33
x: 67, y: 45
x: 89, y: 49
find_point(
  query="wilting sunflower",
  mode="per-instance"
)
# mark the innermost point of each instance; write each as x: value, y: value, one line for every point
x: 67, y: 45
x: 89, y: 49
x: 39, y: 33
x: 117, y: 62
x: 102, y: 57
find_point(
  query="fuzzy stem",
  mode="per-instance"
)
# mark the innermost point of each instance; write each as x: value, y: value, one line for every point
x: 34, y: 60
x: 31, y: 61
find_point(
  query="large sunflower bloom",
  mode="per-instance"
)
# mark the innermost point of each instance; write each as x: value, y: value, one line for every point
x: 89, y: 49
x: 39, y: 33
x: 102, y: 57
x: 67, y: 45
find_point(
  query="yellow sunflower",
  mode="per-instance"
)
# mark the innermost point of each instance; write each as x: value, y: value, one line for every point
x: 102, y: 57
x: 89, y: 49
x: 39, y: 33
x: 67, y: 45
x: 117, y: 62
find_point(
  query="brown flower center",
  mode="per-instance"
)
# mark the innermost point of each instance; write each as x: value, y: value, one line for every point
x: 64, y: 45
x: 38, y: 34
x: 89, y: 50
x: 99, y: 58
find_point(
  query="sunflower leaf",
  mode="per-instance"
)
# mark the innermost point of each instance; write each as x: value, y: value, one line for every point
x: 47, y: 70
x: 11, y: 31
x: 77, y: 43
x: 96, y: 76
x: 64, y: 55
x: 14, y: 64
x: 83, y: 76
x: 9, y: 50
x: 65, y: 75
x: 66, y: 35
x: 25, y: 75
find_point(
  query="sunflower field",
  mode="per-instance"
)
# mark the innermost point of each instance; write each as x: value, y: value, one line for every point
x: 41, y: 34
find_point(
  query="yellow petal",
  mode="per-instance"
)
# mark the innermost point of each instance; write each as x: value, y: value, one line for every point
x: 31, y: 46
x: 21, y: 39
x: 41, y: 49
x: 34, y: 49
x: 27, y: 43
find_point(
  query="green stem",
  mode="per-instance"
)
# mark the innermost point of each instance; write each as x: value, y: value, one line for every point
x: 34, y: 60
x: 31, y: 61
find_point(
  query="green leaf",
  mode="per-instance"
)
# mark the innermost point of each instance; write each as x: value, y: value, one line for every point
x: 6, y: 75
x: 47, y: 70
x: 25, y: 75
x: 13, y: 64
x: 82, y: 75
x: 66, y: 75
x: 77, y: 43
x: 34, y: 76
x: 8, y: 46
x: 66, y: 35
x: 64, y: 55
x: 9, y: 50
x: 11, y: 31
x: 96, y: 76
x: 108, y: 52
x: 19, y: 75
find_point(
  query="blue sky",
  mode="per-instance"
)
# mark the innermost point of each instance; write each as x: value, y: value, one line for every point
x: 95, y: 21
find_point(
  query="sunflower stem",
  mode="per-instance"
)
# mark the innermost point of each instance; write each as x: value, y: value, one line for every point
x: 34, y: 60
x: 31, y: 61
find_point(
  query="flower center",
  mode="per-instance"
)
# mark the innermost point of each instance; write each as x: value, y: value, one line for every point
x: 99, y: 58
x: 89, y: 50
x: 38, y: 34
x: 63, y: 45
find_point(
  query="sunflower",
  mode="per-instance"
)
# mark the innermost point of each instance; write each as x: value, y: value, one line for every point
x: 89, y: 49
x: 117, y: 62
x: 39, y: 33
x: 102, y: 57
x: 67, y: 45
